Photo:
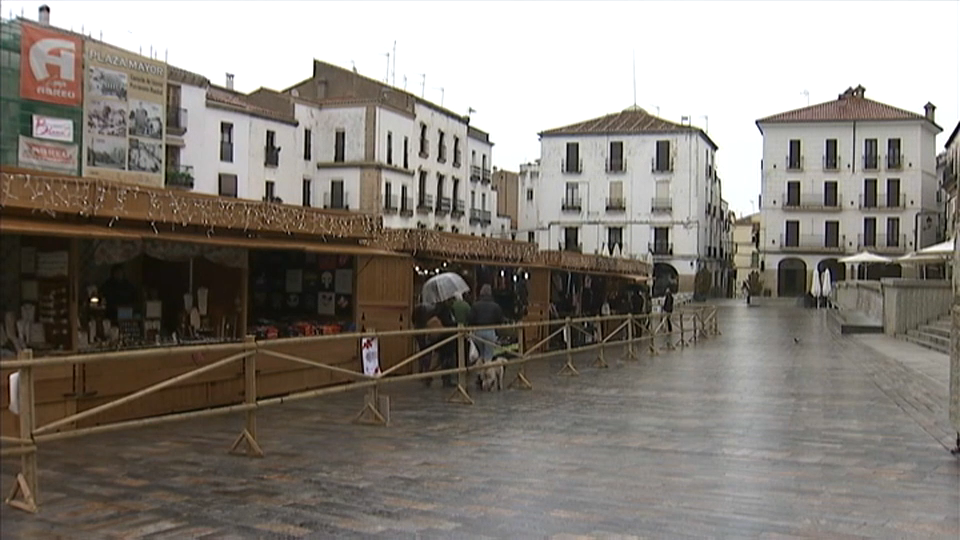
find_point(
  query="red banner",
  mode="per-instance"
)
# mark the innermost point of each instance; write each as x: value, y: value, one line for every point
x: 51, y: 66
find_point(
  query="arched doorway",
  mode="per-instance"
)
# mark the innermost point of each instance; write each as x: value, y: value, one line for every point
x: 791, y: 278
x: 837, y: 270
x: 664, y: 275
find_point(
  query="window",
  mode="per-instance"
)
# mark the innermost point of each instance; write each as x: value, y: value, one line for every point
x: 473, y: 199
x: 271, y: 139
x: 869, y: 193
x: 793, y: 155
x: 424, y: 151
x: 661, y: 241
x: 662, y: 160
x: 440, y: 180
x: 389, y: 148
x: 894, y: 158
x: 272, y: 152
x: 226, y: 143
x: 307, y: 144
x: 869, y: 232
x: 870, y: 154
x: 572, y: 162
x: 831, y: 234
x: 422, y: 188
x: 483, y: 164
x: 339, y: 146
x: 831, y: 198
x: 483, y: 201
x: 893, y: 193
x: 406, y: 152
x: 404, y: 203
x: 337, y: 195
x: 616, y: 195
x: 893, y: 232
x: 306, y: 195
x: 572, y: 196
x: 456, y: 151
x: 793, y: 194
x: 531, y: 237
x: 269, y: 191
x: 830, y: 156
x: 615, y: 163
x: 228, y: 185
x: 388, y: 196
x: 529, y: 194
x: 614, y: 239
x: 792, y: 238
x: 441, y: 147
x: 571, y: 238
x: 456, y: 190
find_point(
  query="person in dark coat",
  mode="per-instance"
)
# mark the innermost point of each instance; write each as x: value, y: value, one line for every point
x: 444, y: 317
x: 422, y: 313
x: 668, y: 309
x: 485, y: 312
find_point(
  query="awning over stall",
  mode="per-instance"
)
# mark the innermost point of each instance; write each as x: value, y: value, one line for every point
x: 15, y: 225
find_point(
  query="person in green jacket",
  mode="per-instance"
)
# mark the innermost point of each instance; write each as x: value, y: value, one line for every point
x: 461, y: 309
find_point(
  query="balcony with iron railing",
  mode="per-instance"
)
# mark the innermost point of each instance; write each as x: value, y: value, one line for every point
x: 474, y: 216
x: 571, y: 168
x: 390, y: 204
x: 486, y: 217
x: 406, y: 206
x: 794, y: 162
x: 883, y: 201
x: 660, y: 205
x: 660, y: 248
x: 442, y: 154
x: 179, y: 176
x: 661, y: 166
x: 425, y: 203
x: 443, y: 206
x: 617, y: 166
x: 871, y: 162
x: 829, y: 202
x: 176, y: 121
x: 894, y: 161
x: 457, y: 159
x: 271, y: 156
x: 574, y: 247
x: 616, y: 204
x: 882, y: 243
x: 474, y: 173
x: 485, y: 176
x: 831, y: 163
x: 336, y: 200
x: 571, y: 203
x: 459, y: 206
x: 814, y: 243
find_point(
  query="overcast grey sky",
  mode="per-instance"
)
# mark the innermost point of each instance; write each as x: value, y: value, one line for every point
x: 530, y: 66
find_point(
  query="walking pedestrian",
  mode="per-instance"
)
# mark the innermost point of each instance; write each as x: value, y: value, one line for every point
x: 485, y: 312
x: 668, y: 309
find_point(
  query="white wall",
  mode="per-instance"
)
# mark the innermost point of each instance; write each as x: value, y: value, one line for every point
x: 285, y: 175
x: 200, y: 151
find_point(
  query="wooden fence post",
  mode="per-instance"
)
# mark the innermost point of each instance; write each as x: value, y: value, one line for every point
x: 249, y: 433
x: 26, y: 484
x: 460, y: 395
x: 683, y: 342
x: 600, y: 362
x: 568, y: 368
x: 521, y: 380
x: 631, y: 352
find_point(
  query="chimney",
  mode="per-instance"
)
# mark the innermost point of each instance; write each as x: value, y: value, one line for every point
x: 929, y: 111
x: 44, y: 15
x: 229, y: 81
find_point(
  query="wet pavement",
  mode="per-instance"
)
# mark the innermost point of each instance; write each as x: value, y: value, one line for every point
x: 777, y: 429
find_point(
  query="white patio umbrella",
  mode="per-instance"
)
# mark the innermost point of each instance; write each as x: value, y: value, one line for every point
x: 443, y: 287
x: 815, y: 284
x: 943, y: 248
x: 865, y: 257
x: 826, y: 285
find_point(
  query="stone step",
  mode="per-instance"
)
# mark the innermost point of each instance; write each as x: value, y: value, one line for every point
x: 930, y: 341
x: 854, y: 322
x: 936, y: 330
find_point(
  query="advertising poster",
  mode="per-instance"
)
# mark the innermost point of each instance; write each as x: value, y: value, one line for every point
x: 47, y: 156
x: 370, y: 352
x: 51, y: 66
x: 52, y: 129
x: 124, y: 116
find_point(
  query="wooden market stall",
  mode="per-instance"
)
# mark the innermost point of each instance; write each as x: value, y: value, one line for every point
x: 62, y: 239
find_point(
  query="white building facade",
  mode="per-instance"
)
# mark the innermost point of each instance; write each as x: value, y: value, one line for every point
x: 634, y: 185
x: 841, y: 177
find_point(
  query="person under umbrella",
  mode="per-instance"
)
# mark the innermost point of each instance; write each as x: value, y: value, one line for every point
x: 441, y: 291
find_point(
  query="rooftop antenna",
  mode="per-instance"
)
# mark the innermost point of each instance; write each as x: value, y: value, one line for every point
x: 807, y: 94
x: 707, y: 118
x: 394, y: 78
x: 441, y: 95
x: 657, y: 107
x: 386, y: 79
x: 404, y: 83
x: 635, y: 78
x: 423, y: 86
x: 354, y: 64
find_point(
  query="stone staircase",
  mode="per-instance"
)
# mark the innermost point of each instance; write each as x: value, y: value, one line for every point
x: 934, y: 335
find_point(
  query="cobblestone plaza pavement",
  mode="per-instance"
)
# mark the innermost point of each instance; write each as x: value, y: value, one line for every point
x: 747, y: 435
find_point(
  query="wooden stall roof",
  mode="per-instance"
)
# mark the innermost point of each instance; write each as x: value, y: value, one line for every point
x: 16, y: 225
x: 587, y: 263
x: 56, y: 194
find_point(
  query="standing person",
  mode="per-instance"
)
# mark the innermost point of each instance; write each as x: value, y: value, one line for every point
x: 443, y: 317
x: 422, y: 313
x: 639, y: 309
x: 668, y: 309
x: 486, y: 312
x: 461, y: 309
x: 746, y: 292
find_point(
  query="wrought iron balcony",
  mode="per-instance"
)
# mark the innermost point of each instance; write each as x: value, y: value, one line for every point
x: 179, y: 176
x: 571, y: 204
x: 661, y: 166
x: 443, y: 206
x: 882, y: 243
x: 474, y: 173
x: 272, y: 156
x: 336, y: 201
x: 406, y: 206
x: 425, y: 204
x: 458, y: 208
x: 894, y: 161
x: 485, y: 178
x: 616, y: 204
x: 813, y: 201
x: 661, y: 249
x: 814, y: 243
x: 390, y: 204
x: 475, y: 216
x: 176, y: 121
x: 616, y: 165
x: 661, y: 205
x: 794, y: 162
x: 571, y: 168
x: 831, y: 163
x: 883, y: 201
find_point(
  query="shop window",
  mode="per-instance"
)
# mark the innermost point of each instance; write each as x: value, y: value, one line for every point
x: 293, y: 293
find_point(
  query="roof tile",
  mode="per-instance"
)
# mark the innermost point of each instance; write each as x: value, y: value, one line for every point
x: 632, y: 120
x: 850, y: 105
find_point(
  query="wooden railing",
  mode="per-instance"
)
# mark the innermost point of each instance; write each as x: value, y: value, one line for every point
x: 633, y: 333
